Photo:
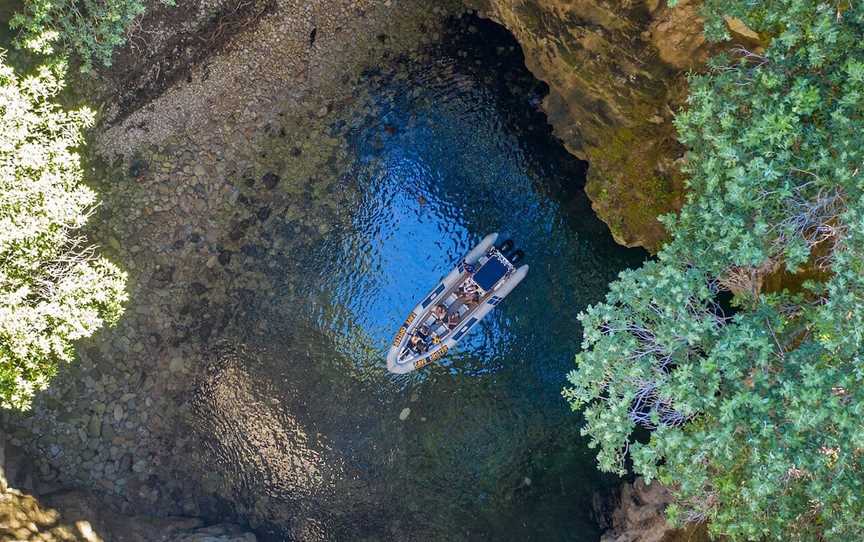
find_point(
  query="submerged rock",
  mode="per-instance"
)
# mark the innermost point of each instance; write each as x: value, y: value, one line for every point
x: 270, y: 180
x: 33, y: 510
x: 94, y: 428
x: 176, y: 365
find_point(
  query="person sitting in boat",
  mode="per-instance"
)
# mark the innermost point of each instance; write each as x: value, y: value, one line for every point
x: 470, y: 300
x: 467, y: 288
x: 467, y: 295
x: 453, y: 319
x: 439, y: 311
x: 417, y: 344
x: 426, y: 335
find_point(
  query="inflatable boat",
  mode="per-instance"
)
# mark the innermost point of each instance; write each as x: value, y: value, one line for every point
x: 480, y: 281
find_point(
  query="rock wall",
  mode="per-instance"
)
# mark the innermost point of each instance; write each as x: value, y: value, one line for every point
x: 639, y: 515
x: 616, y: 73
x: 31, y: 509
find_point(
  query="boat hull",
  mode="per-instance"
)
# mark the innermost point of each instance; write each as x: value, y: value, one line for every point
x: 436, y: 295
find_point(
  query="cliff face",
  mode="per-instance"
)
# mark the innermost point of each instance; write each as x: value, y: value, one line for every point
x: 616, y: 72
x: 640, y: 516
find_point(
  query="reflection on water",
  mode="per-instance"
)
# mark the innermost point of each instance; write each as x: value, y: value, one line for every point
x: 445, y: 151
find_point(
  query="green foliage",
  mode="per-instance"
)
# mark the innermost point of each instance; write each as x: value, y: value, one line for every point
x: 656, y: 318
x: 53, y: 289
x: 91, y: 29
x: 754, y: 417
x: 775, y: 145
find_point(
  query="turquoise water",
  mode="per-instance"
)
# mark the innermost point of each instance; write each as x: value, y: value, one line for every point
x: 444, y: 151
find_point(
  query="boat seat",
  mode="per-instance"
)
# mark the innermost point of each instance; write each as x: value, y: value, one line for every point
x: 492, y: 271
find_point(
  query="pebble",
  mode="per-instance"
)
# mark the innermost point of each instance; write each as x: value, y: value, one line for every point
x: 404, y: 414
x: 118, y: 413
x: 270, y: 180
x: 94, y: 428
x: 176, y: 365
x: 125, y: 464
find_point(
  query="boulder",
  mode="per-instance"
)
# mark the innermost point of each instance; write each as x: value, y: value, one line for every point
x: 640, y: 516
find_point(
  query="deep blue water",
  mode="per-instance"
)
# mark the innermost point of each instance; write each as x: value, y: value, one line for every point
x: 437, y: 175
x: 444, y: 151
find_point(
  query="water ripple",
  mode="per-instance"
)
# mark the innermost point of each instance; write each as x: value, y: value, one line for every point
x: 443, y: 152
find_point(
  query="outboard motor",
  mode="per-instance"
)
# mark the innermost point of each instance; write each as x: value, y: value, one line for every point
x: 516, y: 257
x: 505, y: 247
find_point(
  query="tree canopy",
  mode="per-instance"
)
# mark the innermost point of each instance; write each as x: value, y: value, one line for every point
x: 89, y: 29
x: 53, y: 288
x: 755, y: 409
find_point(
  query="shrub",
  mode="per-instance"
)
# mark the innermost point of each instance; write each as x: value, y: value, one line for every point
x: 53, y: 288
x: 90, y: 29
x: 754, y: 417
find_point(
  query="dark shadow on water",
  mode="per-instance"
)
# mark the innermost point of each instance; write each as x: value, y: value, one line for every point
x: 444, y: 150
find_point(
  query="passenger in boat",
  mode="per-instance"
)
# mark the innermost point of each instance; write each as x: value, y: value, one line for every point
x: 439, y: 311
x: 430, y: 338
x: 467, y: 287
x: 453, y: 319
x: 417, y: 344
x: 470, y: 300
x: 468, y: 295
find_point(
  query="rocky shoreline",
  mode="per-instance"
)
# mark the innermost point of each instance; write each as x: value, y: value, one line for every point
x: 637, y: 513
x: 616, y: 73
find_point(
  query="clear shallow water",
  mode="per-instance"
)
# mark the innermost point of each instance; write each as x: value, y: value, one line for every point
x: 445, y: 151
